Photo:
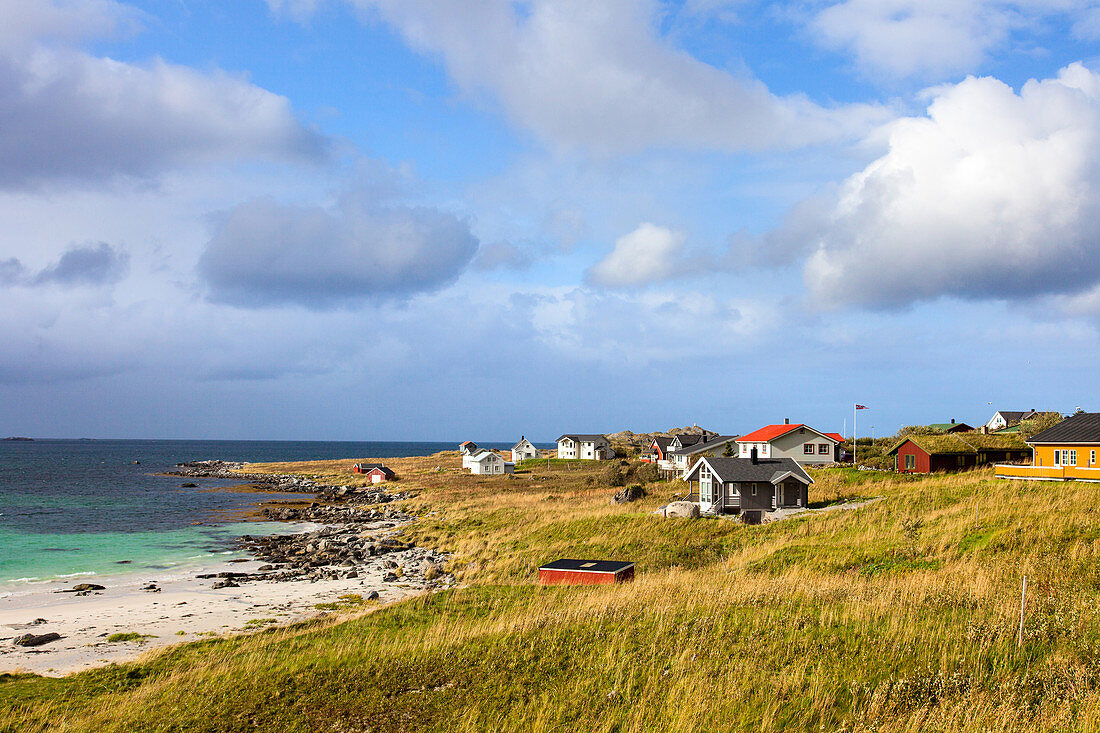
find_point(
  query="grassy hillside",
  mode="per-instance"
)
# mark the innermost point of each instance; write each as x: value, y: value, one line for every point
x: 898, y: 616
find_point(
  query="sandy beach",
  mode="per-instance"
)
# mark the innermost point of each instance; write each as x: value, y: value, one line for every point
x: 185, y: 609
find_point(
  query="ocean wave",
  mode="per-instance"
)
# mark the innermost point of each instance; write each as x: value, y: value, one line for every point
x: 75, y: 575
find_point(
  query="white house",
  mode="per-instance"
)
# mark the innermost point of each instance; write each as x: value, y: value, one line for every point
x: 683, y: 459
x: 585, y: 447
x: 1004, y: 418
x: 467, y: 447
x: 524, y: 449
x: 798, y: 442
x: 486, y: 463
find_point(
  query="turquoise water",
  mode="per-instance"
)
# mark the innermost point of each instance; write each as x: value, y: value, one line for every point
x: 86, y: 508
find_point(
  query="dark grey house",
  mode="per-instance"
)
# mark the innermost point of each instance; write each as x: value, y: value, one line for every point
x: 748, y: 486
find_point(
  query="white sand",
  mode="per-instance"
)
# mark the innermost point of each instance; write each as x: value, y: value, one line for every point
x: 185, y: 604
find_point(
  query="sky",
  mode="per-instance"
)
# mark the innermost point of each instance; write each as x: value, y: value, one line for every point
x: 444, y: 220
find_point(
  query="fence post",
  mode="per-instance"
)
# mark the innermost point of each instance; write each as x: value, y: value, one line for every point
x: 1023, y: 602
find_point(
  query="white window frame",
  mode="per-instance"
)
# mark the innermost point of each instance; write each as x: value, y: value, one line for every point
x: 823, y: 449
x: 808, y: 449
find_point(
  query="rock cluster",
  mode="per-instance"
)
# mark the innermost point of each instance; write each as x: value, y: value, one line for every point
x: 628, y: 494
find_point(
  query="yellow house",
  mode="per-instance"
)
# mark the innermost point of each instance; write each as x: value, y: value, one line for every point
x: 1069, y: 451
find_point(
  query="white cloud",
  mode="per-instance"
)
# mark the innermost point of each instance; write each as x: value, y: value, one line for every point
x: 648, y: 254
x: 596, y: 75
x: 933, y: 38
x: 71, y: 116
x: 993, y: 195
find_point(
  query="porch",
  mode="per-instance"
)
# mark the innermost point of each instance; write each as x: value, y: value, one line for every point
x: 1046, y: 473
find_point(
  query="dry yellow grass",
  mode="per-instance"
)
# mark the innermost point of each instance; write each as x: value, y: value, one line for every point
x: 898, y: 616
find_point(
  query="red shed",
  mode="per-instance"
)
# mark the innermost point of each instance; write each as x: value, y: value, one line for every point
x: 586, y: 572
x: 377, y: 472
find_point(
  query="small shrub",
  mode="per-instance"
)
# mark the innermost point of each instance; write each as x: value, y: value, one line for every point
x: 129, y: 636
x: 615, y: 475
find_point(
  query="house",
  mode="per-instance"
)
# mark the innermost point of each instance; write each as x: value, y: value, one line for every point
x: 488, y: 463
x: 657, y: 451
x: 799, y: 442
x: 376, y: 472
x: 717, y: 445
x: 524, y: 449
x: 1069, y: 451
x: 1007, y: 418
x: 467, y: 447
x: 586, y: 572
x: 955, y: 452
x: 585, y: 447
x: 952, y: 427
x: 748, y: 486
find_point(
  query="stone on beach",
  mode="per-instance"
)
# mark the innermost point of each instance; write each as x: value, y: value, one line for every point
x: 36, y: 639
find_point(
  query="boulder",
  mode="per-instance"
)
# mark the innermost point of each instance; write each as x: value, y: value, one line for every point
x: 686, y: 509
x: 372, y: 596
x: 224, y: 584
x: 36, y: 639
x: 86, y: 587
x: 628, y: 494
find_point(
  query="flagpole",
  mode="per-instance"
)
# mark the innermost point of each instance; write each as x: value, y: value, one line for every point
x: 855, y: 437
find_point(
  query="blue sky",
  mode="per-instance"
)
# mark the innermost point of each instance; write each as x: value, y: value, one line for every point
x: 372, y: 219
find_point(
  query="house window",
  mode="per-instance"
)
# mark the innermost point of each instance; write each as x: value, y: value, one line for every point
x: 823, y: 449
x: 910, y: 462
x: 1092, y: 458
x: 1069, y: 457
x: 754, y: 489
x: 808, y: 449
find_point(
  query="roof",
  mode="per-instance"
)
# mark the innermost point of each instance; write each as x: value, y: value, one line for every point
x: 955, y: 444
x: 1012, y: 416
x: 521, y: 443
x: 769, y: 433
x: 588, y: 566
x: 368, y: 467
x: 482, y: 454
x: 1084, y: 427
x: 945, y: 426
x: 716, y: 442
x: 466, y: 442
x: 663, y: 443
x: 743, y: 469
x: 582, y: 438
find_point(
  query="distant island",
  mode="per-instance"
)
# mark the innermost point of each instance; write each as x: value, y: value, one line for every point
x: 26, y: 440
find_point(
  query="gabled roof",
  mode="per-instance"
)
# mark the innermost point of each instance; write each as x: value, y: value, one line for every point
x: 368, y: 467
x: 582, y: 438
x: 771, y: 470
x: 482, y: 454
x: 769, y: 433
x: 1012, y: 416
x: 715, y: 443
x: 947, y: 426
x: 663, y: 443
x: 523, y: 442
x: 1084, y: 427
x: 956, y: 444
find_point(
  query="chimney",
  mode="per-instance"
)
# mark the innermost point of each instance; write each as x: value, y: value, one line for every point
x: 952, y: 421
x: 786, y: 421
x: 753, y: 455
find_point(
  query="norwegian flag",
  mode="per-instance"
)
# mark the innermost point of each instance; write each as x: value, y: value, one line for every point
x: 862, y: 407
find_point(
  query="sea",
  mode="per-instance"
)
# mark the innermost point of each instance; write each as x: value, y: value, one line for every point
x: 87, y: 509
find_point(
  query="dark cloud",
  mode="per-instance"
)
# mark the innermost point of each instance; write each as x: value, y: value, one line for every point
x: 267, y: 253
x: 92, y: 264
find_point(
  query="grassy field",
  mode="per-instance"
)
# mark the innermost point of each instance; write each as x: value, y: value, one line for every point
x: 898, y: 616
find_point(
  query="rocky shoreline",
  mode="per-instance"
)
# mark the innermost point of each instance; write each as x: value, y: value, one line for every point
x: 359, y: 535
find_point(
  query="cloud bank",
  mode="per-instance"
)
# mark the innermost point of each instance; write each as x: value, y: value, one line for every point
x: 994, y: 195
x: 72, y: 116
x: 595, y: 75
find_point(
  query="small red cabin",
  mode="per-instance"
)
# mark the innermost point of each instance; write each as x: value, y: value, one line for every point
x: 376, y: 472
x: 586, y: 572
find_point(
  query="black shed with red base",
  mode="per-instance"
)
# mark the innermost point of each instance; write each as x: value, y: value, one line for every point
x: 586, y: 572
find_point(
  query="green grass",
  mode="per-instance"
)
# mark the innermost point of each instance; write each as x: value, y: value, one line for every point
x: 897, y: 616
x: 129, y: 636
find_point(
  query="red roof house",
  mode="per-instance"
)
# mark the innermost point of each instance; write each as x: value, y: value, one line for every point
x: 799, y: 442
